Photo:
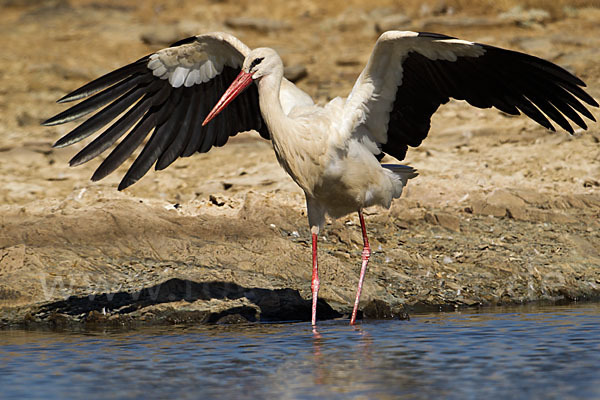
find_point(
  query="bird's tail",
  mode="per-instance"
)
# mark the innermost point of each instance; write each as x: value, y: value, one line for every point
x: 400, y: 174
x: 405, y: 172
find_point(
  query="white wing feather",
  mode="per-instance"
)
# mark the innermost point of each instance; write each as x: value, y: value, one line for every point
x: 367, y: 109
x: 205, y: 58
x: 198, y: 61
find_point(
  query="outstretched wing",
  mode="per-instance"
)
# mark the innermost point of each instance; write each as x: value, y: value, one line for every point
x: 409, y: 75
x: 170, y: 93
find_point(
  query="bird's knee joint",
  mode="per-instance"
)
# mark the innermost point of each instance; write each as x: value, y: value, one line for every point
x: 314, y: 286
x: 366, y: 253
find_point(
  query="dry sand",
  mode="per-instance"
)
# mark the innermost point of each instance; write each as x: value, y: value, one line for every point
x: 503, y: 211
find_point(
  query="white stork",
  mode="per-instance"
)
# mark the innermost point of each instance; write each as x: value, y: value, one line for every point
x: 332, y: 152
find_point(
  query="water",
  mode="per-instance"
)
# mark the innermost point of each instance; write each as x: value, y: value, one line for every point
x: 526, y: 352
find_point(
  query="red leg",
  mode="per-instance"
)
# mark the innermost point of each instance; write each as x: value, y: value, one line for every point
x: 366, y: 253
x: 314, y: 286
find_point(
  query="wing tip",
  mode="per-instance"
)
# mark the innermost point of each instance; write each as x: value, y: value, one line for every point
x: 59, y: 119
x: 98, y: 174
x: 60, y: 143
x: 75, y: 161
x: 125, y: 183
x: 49, y: 122
x: 75, y: 95
x: 159, y: 166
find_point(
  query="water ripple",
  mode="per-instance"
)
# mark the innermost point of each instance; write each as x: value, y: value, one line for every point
x: 528, y: 352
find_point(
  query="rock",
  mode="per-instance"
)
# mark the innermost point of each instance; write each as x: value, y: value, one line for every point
x: 567, y: 202
x: 406, y: 210
x: 501, y: 203
x: 514, y: 206
x: 391, y: 22
x: 347, y: 61
x: 470, y: 302
x: 456, y: 21
x: 177, y: 301
x: 294, y: 73
x: 527, y: 18
x: 591, y: 200
x: 518, y: 213
x: 532, y: 197
x: 446, y: 220
x: 254, y: 208
x: 216, y: 201
x: 550, y: 217
x: 263, y: 25
x: 350, y: 20
x: 481, y: 207
x: 161, y: 35
x: 379, y: 309
x: 43, y: 9
x: 26, y: 119
x: 585, y: 246
x: 439, y: 8
x: 231, y: 319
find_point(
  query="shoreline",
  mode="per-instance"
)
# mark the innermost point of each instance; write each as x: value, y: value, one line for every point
x: 138, y: 261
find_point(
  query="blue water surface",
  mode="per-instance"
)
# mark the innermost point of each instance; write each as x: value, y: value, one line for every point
x: 533, y: 352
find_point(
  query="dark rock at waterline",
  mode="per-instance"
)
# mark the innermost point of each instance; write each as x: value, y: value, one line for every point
x: 175, y: 302
x: 379, y: 309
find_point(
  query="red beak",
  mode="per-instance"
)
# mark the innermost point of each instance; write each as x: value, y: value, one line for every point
x: 241, y: 82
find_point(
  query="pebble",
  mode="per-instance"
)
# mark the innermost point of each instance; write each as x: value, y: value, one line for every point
x: 447, y: 260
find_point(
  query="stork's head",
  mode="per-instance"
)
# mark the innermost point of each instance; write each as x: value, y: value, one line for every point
x: 258, y: 63
x: 262, y: 61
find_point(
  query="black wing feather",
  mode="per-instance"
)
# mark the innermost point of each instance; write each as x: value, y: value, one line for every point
x: 99, y: 120
x: 106, y: 80
x: 153, y: 117
x: 179, y: 143
x: 116, y: 130
x: 149, y: 104
x: 512, y: 82
x: 195, y: 126
x: 160, y: 138
x: 98, y: 100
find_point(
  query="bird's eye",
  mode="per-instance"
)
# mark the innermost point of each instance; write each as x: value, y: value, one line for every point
x: 255, y: 62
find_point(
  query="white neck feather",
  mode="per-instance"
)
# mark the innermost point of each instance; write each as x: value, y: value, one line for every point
x: 270, y: 104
